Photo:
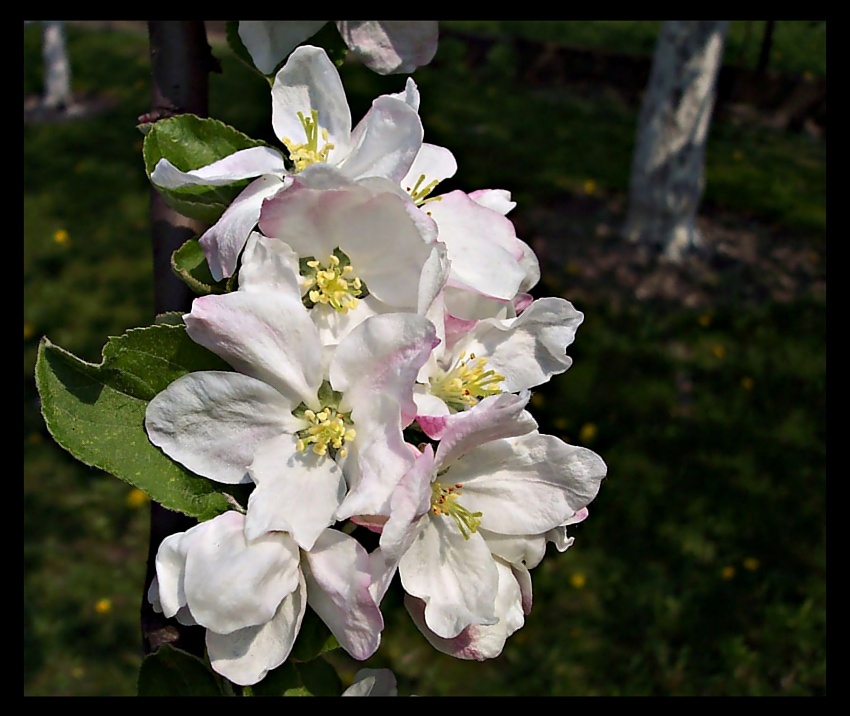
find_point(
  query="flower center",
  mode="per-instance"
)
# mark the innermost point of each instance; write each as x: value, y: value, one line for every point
x: 329, y: 429
x: 332, y: 283
x: 444, y: 502
x: 303, y: 155
x: 465, y: 384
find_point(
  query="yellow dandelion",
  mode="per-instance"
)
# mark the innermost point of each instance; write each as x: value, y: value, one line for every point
x: 737, y: 155
x: 719, y: 351
x: 537, y: 400
x: 78, y: 672
x: 589, y: 186
x: 751, y: 563
x: 705, y: 320
x: 578, y: 580
x: 808, y: 75
x: 561, y: 423
x: 572, y: 268
x: 35, y: 438
x: 136, y: 498
x: 29, y: 330
x: 747, y: 383
x: 587, y: 432
x: 61, y: 237
x: 727, y: 572
x: 103, y: 606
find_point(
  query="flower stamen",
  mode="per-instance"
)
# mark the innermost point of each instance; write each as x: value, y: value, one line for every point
x: 303, y: 155
x: 467, y: 383
x: 444, y: 502
x: 332, y: 284
x: 420, y: 193
x: 328, y: 430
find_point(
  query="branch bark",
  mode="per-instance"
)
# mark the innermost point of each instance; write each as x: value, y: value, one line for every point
x: 181, y: 60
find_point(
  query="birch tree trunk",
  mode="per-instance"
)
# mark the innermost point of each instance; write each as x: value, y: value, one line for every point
x: 57, y: 68
x: 668, y: 173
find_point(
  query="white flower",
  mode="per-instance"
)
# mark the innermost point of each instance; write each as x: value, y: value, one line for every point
x: 290, y: 416
x: 372, y: 682
x: 355, y: 249
x: 476, y: 359
x: 385, y: 46
x: 311, y: 117
x: 251, y: 595
x: 492, y: 474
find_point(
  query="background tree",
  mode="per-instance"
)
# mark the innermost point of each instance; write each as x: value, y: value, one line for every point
x: 57, y: 68
x: 667, y: 176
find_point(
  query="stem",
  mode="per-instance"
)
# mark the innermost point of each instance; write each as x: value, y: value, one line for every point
x: 180, y: 62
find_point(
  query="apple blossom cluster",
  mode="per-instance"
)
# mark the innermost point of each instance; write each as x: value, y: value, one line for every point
x: 383, y: 345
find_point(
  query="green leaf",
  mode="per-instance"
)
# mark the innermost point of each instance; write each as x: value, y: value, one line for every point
x: 191, y: 142
x: 172, y: 672
x: 314, y: 639
x: 282, y: 681
x: 97, y: 412
x: 190, y: 264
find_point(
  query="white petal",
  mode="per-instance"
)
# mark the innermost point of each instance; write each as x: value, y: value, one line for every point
x: 528, y: 485
x: 224, y: 240
x: 269, y: 265
x: 391, y: 46
x: 478, y: 642
x: 527, y: 550
x: 456, y: 577
x: 495, y: 199
x: 432, y: 163
x: 269, y: 41
x: 212, y: 422
x: 338, y: 576
x: 245, y: 656
x: 306, y: 82
x: 242, y: 164
x: 385, y: 142
x: 372, y: 682
x: 498, y: 416
x: 410, y: 95
x: 267, y: 335
x: 231, y: 584
x: 170, y: 566
x: 296, y: 492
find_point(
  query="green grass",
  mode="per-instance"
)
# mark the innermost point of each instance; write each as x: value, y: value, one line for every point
x: 701, y: 569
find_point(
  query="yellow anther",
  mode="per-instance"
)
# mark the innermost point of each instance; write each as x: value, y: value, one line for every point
x: 418, y: 192
x: 303, y: 155
x: 328, y: 429
x: 444, y: 502
x: 333, y: 285
x: 467, y: 383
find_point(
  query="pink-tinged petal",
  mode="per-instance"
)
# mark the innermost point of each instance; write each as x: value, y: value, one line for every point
x: 242, y: 164
x: 495, y: 199
x: 410, y: 501
x: 269, y: 265
x: 457, y: 328
x: 522, y: 301
x: 481, y: 245
x: 528, y: 485
x: 478, y: 642
x: 213, y: 421
x: 270, y: 41
x: 558, y: 536
x: 372, y: 682
x: 182, y: 616
x: 527, y: 350
x: 310, y: 81
x: 296, y: 492
x: 432, y: 164
x: 391, y: 46
x: 385, y: 142
x: 381, y: 357
x: 468, y: 305
x: 230, y: 583
x: 456, y: 577
x: 432, y: 413
x: 495, y: 417
x: 224, y: 240
x: 245, y: 656
x: 523, y: 578
x: 338, y: 574
x: 266, y: 335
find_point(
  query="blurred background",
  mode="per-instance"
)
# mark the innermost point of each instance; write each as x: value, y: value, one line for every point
x: 702, y: 567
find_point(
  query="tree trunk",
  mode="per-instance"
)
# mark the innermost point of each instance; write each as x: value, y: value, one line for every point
x: 57, y: 68
x: 668, y: 177
x: 181, y: 60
